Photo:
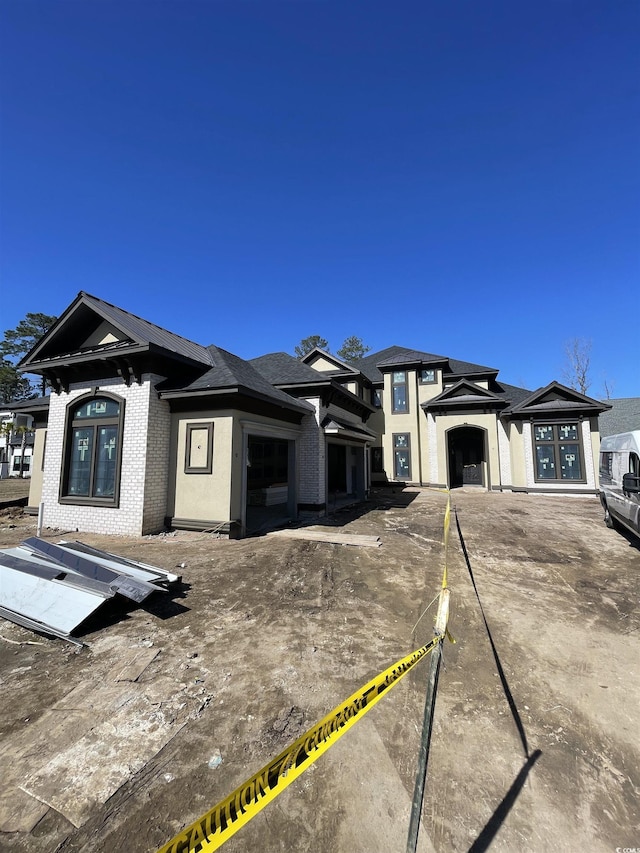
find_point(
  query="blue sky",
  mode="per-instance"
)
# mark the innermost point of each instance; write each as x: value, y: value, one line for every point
x: 458, y: 177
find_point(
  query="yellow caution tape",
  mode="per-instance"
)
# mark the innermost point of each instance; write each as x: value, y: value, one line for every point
x: 447, y: 524
x: 228, y: 816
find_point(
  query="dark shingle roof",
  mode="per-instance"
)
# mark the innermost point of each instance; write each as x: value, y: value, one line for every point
x: 280, y: 368
x: 467, y: 368
x: 512, y: 393
x: 229, y: 371
x: 370, y: 365
x: 623, y: 416
x: 410, y: 356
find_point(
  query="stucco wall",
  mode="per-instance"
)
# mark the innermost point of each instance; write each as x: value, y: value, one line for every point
x: 415, y: 422
x: 487, y: 422
x: 196, y: 496
x: 35, y: 485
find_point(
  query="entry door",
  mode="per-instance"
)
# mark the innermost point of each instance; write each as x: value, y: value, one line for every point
x: 466, y: 457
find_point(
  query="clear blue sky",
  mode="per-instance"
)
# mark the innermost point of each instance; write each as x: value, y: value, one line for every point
x: 458, y: 177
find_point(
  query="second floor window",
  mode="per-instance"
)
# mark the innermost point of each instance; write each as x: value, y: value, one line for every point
x: 399, y: 392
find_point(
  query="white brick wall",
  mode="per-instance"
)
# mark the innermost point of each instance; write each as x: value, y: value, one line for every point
x: 504, y: 453
x: 312, y: 458
x: 143, y: 477
x: 157, y: 462
x: 587, y: 452
x: 432, y: 438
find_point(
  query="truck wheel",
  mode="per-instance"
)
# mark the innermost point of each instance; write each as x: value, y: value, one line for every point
x: 608, y: 520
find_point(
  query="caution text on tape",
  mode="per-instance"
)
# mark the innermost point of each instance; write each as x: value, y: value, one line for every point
x: 228, y: 816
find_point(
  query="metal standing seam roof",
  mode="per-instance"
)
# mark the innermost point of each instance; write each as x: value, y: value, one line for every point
x: 140, y: 332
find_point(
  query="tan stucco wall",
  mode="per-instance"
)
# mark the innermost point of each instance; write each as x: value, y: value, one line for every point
x: 321, y: 364
x: 205, y: 497
x: 516, y: 445
x: 414, y: 423
x: 35, y: 486
x: 488, y: 422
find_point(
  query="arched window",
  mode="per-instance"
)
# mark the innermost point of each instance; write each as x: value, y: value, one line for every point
x: 91, y: 470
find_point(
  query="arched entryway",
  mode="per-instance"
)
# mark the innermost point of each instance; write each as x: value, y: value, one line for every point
x: 466, y: 456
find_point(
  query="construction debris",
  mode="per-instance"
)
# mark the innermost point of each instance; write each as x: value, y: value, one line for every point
x: 53, y: 589
x: 328, y: 536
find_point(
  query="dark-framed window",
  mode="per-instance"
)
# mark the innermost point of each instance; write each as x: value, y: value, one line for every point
x: 402, y: 456
x: 399, y: 399
x: 376, y: 398
x: 428, y: 376
x: 557, y: 452
x: 93, y: 451
x: 199, y: 449
x: 26, y: 465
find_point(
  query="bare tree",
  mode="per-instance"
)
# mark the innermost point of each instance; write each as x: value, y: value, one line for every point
x: 608, y: 386
x: 577, y: 364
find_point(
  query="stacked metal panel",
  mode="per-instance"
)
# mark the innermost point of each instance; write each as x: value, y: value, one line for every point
x: 55, y: 588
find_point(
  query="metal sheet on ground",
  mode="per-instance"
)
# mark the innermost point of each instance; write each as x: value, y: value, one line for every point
x: 50, y: 602
x: 136, y: 590
x: 143, y: 571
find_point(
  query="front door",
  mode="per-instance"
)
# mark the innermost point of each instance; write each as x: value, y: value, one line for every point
x: 466, y: 457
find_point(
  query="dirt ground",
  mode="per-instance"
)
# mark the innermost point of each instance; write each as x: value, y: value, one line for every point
x: 268, y: 635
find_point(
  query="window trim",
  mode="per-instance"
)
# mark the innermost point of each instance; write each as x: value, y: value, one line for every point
x: 555, y: 444
x: 433, y: 381
x: 395, y: 385
x: 207, y: 468
x: 112, y: 502
x: 394, y: 436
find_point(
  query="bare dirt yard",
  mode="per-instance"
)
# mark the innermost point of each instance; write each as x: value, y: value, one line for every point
x: 170, y: 706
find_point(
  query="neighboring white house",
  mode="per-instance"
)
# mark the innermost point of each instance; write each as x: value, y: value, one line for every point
x: 16, y: 441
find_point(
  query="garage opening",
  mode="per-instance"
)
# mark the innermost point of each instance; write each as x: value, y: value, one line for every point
x: 466, y: 453
x: 268, y: 489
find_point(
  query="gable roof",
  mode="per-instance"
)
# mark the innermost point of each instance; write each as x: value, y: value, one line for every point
x: 464, y: 394
x: 623, y: 416
x: 341, y: 367
x: 557, y: 398
x: 64, y: 339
